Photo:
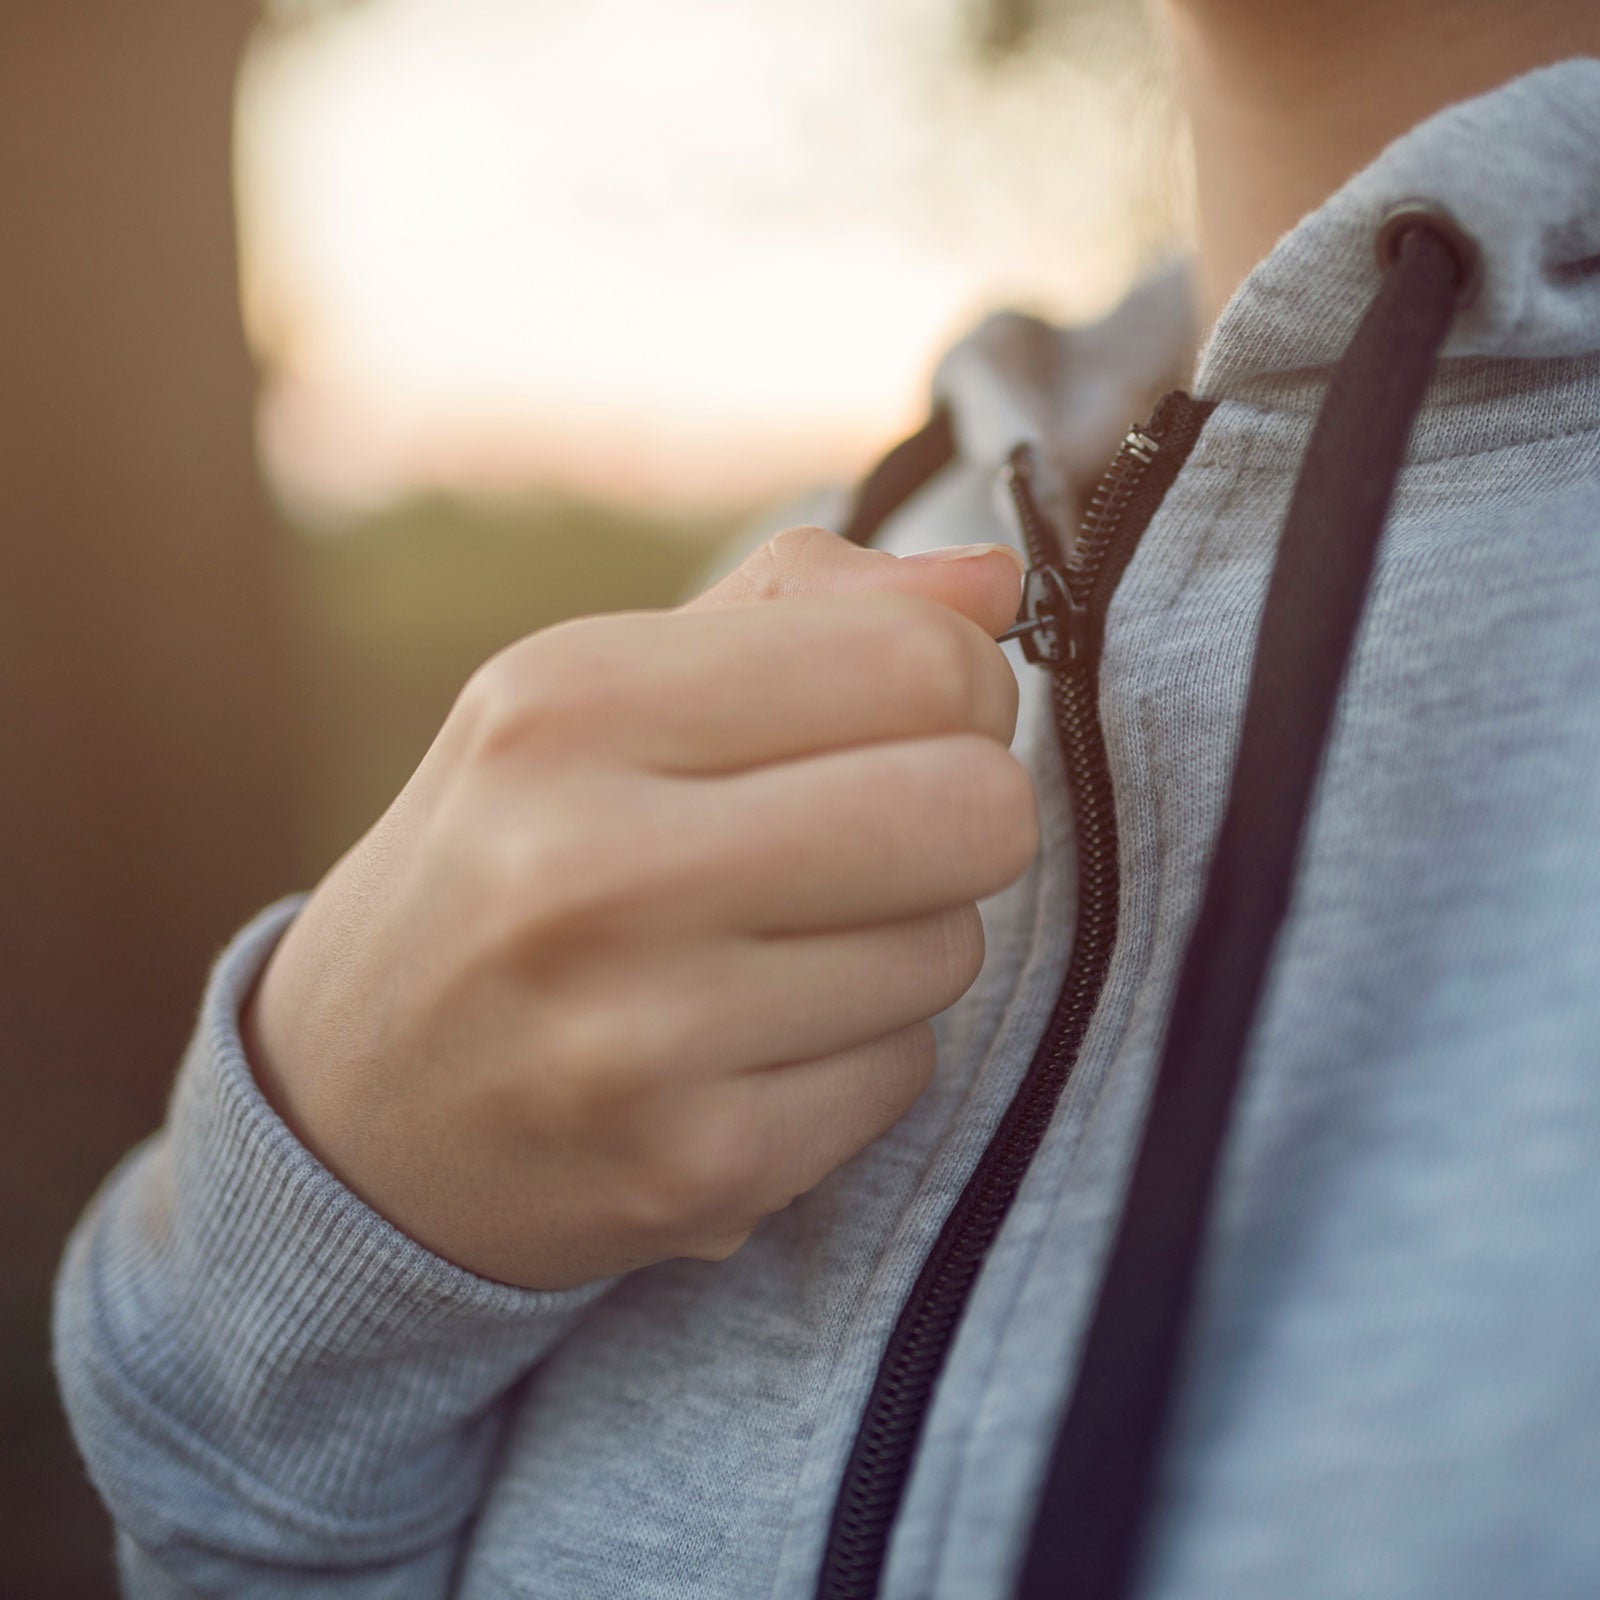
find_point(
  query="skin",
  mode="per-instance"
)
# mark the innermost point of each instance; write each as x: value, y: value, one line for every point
x: 648, y: 944
x: 1288, y: 99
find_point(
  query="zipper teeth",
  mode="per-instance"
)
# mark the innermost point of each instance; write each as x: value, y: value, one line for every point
x: 1101, y: 518
x: 880, y: 1462
x: 1043, y: 546
x: 873, y: 1494
x: 1103, y: 514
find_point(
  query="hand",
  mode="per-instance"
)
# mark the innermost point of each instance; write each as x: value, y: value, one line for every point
x: 647, y: 945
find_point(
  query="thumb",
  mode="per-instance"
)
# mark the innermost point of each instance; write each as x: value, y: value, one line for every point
x: 982, y: 581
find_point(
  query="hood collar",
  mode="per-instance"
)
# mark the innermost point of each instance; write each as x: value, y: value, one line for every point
x: 1069, y: 393
x: 1518, y: 168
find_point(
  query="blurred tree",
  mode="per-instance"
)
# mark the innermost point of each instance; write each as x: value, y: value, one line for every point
x: 146, y: 779
x: 999, y: 32
x: 1003, y: 28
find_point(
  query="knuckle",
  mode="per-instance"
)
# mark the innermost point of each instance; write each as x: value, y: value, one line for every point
x: 714, y: 1180
x: 963, y: 947
x: 1001, y: 806
x: 1003, y: 695
x: 1016, y: 815
x: 716, y: 1159
x: 489, y: 698
x: 917, y: 1057
x: 936, y: 665
x: 719, y: 1247
x: 605, y: 1050
x: 505, y: 698
x: 665, y: 1030
x: 546, y: 687
x: 770, y: 571
x: 573, y: 862
x: 697, y: 1180
x: 800, y: 543
x: 623, y: 1047
x: 549, y: 869
x: 908, y: 1059
x: 559, y: 878
x: 582, y: 1088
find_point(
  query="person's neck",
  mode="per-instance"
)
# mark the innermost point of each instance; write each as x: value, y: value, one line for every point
x: 1287, y: 99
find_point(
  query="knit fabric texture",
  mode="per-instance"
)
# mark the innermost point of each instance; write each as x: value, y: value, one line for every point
x: 1392, y: 1389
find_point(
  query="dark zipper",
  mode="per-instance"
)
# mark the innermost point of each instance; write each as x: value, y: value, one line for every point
x: 1065, y: 597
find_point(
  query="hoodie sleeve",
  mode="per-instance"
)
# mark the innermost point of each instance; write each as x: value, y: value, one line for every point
x: 275, y: 1390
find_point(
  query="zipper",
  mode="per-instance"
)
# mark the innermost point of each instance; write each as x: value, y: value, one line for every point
x: 1056, y: 627
x: 1062, y: 617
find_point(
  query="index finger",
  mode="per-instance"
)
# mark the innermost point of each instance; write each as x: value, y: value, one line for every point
x: 717, y: 690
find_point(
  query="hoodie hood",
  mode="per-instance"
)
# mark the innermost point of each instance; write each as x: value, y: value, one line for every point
x: 1516, y: 167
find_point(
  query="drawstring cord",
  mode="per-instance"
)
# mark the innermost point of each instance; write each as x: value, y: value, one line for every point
x: 1085, y: 1538
x: 899, y: 475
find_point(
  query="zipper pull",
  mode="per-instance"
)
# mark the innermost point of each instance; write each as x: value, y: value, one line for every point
x: 1054, y: 628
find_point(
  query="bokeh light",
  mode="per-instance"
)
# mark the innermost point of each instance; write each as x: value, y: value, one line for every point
x: 691, y: 255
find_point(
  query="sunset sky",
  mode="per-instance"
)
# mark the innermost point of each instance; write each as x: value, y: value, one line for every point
x: 696, y: 253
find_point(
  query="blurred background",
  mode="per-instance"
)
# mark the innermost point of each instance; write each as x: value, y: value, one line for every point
x: 344, y: 343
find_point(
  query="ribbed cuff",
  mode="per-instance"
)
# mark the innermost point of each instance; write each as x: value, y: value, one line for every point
x: 233, y: 1315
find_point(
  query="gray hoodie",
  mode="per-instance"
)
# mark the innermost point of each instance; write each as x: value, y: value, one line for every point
x: 1390, y: 1382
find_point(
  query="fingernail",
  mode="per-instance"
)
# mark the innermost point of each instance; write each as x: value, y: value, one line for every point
x: 967, y: 552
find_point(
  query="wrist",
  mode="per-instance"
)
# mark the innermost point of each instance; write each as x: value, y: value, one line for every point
x: 263, y: 1039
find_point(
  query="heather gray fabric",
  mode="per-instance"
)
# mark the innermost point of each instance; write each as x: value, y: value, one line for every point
x: 1393, y: 1390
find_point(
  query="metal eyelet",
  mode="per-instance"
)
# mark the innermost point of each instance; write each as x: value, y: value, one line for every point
x: 1399, y: 219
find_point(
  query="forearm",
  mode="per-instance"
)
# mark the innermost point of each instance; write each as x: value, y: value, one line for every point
x: 275, y: 1390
